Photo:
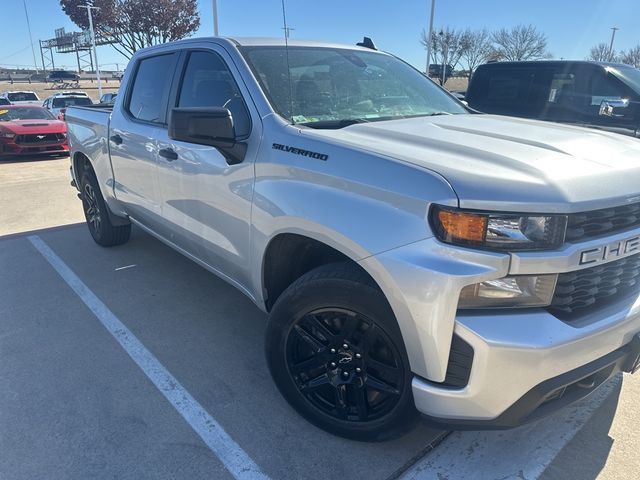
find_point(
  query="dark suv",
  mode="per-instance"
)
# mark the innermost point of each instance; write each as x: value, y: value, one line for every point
x: 57, y: 76
x: 601, y: 95
x: 435, y: 70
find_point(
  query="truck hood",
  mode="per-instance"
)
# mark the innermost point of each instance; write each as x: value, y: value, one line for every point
x: 511, y: 164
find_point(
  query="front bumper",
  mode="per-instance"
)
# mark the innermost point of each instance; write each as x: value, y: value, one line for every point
x: 552, y: 394
x: 539, y: 369
x: 11, y: 148
x: 515, y: 352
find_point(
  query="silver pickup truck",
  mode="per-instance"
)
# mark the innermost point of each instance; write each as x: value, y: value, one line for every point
x: 413, y: 256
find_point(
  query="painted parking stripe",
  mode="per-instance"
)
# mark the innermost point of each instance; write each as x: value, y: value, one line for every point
x: 521, y: 453
x: 233, y: 457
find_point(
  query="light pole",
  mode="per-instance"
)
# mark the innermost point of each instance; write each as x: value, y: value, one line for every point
x: 613, y: 36
x: 90, y: 7
x: 433, y: 7
x: 35, y: 63
x: 215, y: 17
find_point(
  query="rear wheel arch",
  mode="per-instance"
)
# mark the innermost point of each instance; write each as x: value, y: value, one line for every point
x: 80, y: 164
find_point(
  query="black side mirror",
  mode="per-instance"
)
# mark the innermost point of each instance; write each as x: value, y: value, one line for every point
x: 207, y: 126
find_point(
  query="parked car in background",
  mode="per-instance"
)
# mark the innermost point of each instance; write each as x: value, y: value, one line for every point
x: 108, y: 98
x: 62, y: 76
x: 15, y: 97
x: 30, y: 129
x: 594, y: 94
x: 4, y: 101
x: 58, y: 103
x: 413, y: 256
x: 435, y: 70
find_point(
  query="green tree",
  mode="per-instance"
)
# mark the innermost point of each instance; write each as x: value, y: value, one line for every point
x: 137, y: 24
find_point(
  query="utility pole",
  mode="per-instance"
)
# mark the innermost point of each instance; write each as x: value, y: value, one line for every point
x: 433, y: 7
x: 26, y: 14
x: 613, y: 36
x: 215, y: 17
x: 90, y: 7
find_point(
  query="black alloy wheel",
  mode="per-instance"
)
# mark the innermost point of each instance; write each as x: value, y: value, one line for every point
x: 344, y: 365
x: 100, y: 224
x: 91, y: 208
x: 335, y: 351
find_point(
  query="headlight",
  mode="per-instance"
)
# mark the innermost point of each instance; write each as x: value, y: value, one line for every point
x: 515, y: 291
x: 500, y: 231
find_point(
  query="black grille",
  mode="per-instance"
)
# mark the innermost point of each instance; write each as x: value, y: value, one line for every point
x: 459, y: 366
x: 39, y: 138
x: 607, y: 221
x: 591, y: 288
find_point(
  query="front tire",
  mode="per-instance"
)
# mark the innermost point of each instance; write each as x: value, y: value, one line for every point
x: 102, y: 230
x: 335, y: 351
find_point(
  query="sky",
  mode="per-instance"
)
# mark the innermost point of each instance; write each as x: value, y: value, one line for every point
x: 572, y: 26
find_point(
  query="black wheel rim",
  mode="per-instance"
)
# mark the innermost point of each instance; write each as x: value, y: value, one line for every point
x: 345, y: 365
x: 91, y: 208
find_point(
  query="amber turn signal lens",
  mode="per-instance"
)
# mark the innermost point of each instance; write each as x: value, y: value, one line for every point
x: 463, y: 226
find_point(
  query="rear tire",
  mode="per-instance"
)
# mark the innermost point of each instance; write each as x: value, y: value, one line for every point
x: 96, y: 213
x: 335, y: 351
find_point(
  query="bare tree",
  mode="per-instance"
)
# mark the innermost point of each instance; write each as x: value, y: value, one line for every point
x: 631, y: 56
x: 138, y: 23
x: 602, y: 53
x: 477, y: 48
x: 446, y: 46
x: 522, y: 42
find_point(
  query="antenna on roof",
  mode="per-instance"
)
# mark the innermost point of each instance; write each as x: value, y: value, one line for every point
x: 367, y: 43
x: 286, y: 49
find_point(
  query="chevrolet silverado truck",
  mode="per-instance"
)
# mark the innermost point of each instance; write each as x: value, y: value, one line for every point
x: 414, y: 257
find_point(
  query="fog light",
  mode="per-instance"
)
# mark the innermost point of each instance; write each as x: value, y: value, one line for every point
x: 509, y: 292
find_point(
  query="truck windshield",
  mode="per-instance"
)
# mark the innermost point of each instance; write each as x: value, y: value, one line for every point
x: 324, y: 87
x: 25, y: 113
x: 23, y: 97
x: 630, y: 76
x: 61, y: 102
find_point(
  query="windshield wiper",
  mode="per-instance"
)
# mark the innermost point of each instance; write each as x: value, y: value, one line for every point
x: 345, y: 122
x: 334, y: 124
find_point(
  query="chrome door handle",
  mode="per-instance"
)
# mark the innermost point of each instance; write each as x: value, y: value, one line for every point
x: 168, y: 153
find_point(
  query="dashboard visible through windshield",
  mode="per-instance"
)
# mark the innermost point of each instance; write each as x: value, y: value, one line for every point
x: 326, y: 87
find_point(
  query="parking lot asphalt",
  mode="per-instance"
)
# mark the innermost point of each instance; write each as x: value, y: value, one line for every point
x: 75, y: 403
x: 72, y: 393
x: 35, y: 193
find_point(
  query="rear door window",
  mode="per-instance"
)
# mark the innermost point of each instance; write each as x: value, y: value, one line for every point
x: 148, y: 97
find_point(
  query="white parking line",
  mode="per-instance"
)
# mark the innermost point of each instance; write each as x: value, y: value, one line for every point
x: 521, y: 453
x: 233, y: 457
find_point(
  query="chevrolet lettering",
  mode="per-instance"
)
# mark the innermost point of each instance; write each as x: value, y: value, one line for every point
x: 426, y: 265
x: 608, y: 252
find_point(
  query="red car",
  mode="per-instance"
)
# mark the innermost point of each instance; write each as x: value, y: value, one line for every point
x: 30, y: 129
